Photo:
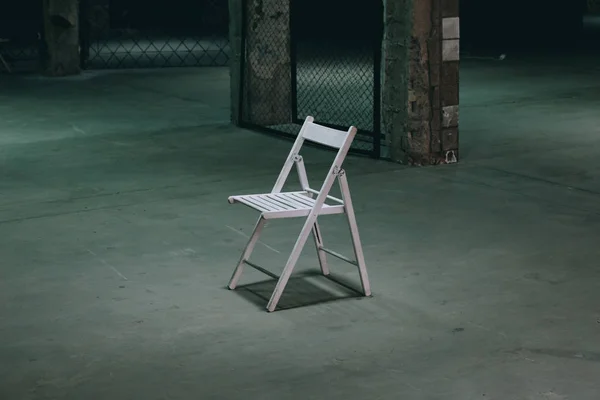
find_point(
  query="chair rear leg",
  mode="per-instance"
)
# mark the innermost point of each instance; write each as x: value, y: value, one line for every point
x: 237, y: 273
x: 356, y: 243
x: 358, y: 252
x: 316, y: 232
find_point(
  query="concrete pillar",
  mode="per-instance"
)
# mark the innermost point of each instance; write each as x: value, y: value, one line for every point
x: 61, y: 35
x: 394, y: 76
x: 420, y: 80
x: 263, y: 59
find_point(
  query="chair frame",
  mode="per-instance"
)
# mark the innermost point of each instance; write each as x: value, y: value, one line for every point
x: 328, y: 137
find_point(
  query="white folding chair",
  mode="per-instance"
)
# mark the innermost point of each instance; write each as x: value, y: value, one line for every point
x: 278, y: 205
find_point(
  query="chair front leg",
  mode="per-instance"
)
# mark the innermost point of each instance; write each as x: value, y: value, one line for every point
x: 237, y: 273
x: 291, y: 263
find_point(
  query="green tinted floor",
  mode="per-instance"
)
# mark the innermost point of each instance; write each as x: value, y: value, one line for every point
x: 116, y: 242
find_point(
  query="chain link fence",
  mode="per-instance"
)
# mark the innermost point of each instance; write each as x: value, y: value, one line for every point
x: 327, y: 69
x: 20, y: 55
x: 125, y: 34
x: 338, y: 84
x: 144, y: 34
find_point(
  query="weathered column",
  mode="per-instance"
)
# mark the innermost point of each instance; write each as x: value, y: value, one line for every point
x: 61, y: 35
x: 267, y: 85
x: 420, y: 87
x: 394, y: 77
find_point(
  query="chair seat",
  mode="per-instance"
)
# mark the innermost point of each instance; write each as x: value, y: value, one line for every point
x: 284, y: 205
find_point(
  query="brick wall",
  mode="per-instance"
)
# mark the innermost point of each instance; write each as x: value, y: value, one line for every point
x: 432, y: 136
x: 423, y: 130
x: 395, y: 97
x: 446, y: 107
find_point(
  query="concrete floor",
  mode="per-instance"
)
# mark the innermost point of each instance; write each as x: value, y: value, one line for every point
x: 117, y: 242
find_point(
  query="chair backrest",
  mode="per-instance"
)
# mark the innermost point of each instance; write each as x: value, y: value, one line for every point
x: 338, y: 139
x: 323, y: 135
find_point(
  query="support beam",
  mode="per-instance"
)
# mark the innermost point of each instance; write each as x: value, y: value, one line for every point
x: 420, y: 80
x: 261, y: 44
x: 61, y: 34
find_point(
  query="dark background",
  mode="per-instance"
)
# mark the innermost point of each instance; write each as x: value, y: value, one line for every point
x: 20, y: 19
x: 509, y: 24
x: 337, y: 19
x: 174, y: 16
x: 484, y: 24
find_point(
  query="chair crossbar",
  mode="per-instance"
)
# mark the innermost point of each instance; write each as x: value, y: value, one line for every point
x: 308, y: 203
x: 339, y: 256
x: 329, y: 210
x: 261, y: 269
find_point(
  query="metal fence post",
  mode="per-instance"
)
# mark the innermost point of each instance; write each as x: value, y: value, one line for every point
x: 294, y: 63
x: 377, y: 54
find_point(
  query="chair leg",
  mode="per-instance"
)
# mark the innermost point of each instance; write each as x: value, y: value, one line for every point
x: 358, y: 251
x: 356, y: 243
x: 316, y: 231
x: 291, y: 263
x: 237, y: 273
